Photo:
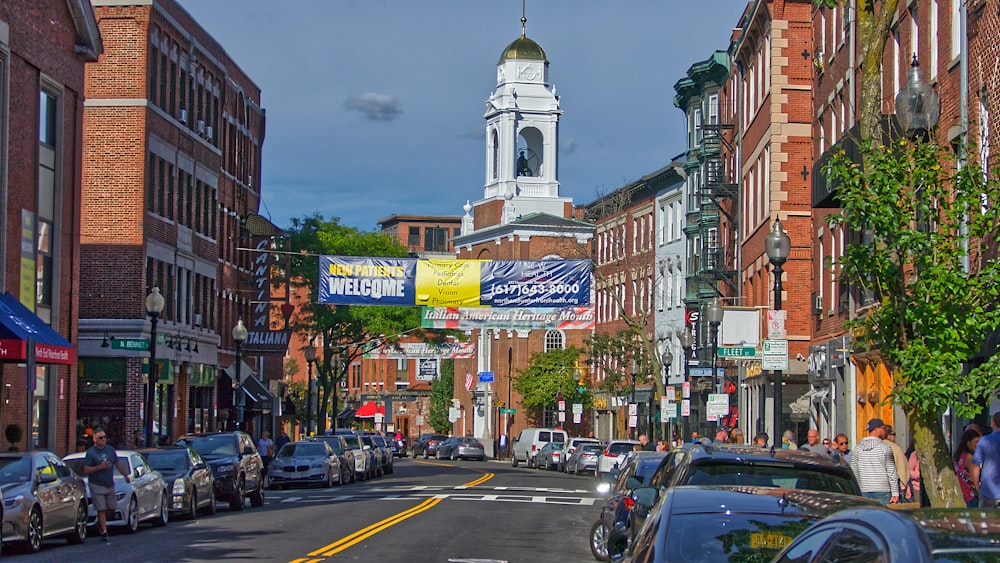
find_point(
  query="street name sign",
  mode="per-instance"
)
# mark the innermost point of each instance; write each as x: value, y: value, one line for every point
x: 140, y: 344
x: 507, y: 411
x: 486, y: 377
x: 736, y: 352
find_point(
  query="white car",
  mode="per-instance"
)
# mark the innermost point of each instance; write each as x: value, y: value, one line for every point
x: 145, y: 498
x: 613, y: 453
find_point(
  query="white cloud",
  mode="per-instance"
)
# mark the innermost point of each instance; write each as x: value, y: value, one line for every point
x: 375, y: 107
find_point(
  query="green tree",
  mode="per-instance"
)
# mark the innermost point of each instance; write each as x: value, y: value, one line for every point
x: 442, y: 392
x: 546, y: 375
x: 613, y: 354
x: 341, y: 333
x: 921, y: 216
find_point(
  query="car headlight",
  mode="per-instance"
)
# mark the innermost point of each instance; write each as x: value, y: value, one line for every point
x: 316, y: 466
x: 179, y: 488
x: 225, y: 469
x: 13, y: 501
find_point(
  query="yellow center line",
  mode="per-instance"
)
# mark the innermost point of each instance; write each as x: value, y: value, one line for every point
x: 361, y: 535
x: 486, y: 477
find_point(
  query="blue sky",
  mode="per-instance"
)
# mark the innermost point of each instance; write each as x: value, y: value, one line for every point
x: 374, y: 107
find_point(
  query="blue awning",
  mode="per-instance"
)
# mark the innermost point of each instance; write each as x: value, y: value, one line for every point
x: 18, y: 325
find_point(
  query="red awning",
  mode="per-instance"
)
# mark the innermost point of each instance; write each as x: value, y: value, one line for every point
x: 369, y: 410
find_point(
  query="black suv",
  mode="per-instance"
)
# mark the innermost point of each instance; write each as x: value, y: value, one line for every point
x: 427, y: 445
x: 234, y: 461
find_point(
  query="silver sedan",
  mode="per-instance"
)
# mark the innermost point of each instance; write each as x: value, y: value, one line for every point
x: 42, y: 498
x: 144, y: 499
x: 304, y: 463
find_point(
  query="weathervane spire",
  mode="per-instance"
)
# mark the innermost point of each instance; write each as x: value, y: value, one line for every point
x: 524, y: 20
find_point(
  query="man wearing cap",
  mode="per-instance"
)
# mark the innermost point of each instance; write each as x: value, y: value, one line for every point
x: 874, y: 467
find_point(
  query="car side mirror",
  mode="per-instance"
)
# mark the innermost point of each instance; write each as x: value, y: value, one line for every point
x: 46, y: 477
x: 248, y: 450
x: 618, y: 542
x: 646, y: 496
x: 633, y: 483
x: 200, y: 465
x: 139, y: 471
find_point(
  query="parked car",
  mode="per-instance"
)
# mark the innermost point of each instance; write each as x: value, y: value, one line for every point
x: 635, y: 472
x: 339, y: 445
x: 427, y: 444
x: 585, y: 459
x: 723, y: 523
x: 530, y: 440
x: 308, y: 463
x: 461, y: 448
x: 188, y: 478
x: 363, y: 460
x: 548, y: 457
x: 42, y: 498
x: 572, y: 448
x: 387, y: 456
x: 143, y: 499
x: 893, y: 536
x: 380, y: 456
x: 613, y: 453
x: 235, y: 463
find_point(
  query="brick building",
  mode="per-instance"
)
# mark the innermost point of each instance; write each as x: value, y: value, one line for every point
x: 173, y: 130
x: 44, y: 46
x: 425, y: 236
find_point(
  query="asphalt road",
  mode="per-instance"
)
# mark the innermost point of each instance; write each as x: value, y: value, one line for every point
x: 428, y: 510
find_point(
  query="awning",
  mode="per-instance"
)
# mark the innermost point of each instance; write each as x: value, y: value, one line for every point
x: 346, y: 414
x: 257, y: 392
x: 18, y: 324
x: 369, y: 410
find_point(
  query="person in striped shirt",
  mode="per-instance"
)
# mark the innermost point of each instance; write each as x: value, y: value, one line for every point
x: 874, y: 467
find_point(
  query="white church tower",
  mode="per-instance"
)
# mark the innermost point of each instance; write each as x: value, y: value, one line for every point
x: 522, y: 134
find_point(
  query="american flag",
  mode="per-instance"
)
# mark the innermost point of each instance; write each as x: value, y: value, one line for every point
x: 469, y: 381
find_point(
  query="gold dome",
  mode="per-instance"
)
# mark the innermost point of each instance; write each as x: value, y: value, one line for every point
x: 524, y: 49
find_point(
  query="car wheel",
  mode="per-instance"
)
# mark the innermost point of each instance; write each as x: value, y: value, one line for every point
x: 453, y: 456
x: 236, y: 501
x: 210, y: 509
x: 599, y: 541
x: 329, y: 480
x: 34, y: 531
x: 79, y: 532
x: 257, y: 497
x: 164, y: 516
x: 513, y: 461
x: 132, y: 518
x: 425, y: 454
x: 192, y: 513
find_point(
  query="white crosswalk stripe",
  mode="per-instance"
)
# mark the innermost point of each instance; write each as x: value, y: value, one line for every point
x: 530, y: 495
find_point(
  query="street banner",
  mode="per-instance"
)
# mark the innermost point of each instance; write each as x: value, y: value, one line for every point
x: 539, y: 318
x: 410, y: 350
x: 347, y: 280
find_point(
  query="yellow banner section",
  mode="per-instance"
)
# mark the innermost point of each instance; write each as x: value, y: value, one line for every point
x: 448, y: 283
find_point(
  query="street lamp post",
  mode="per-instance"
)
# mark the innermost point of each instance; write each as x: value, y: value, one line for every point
x: 667, y: 358
x: 633, y: 371
x: 713, y: 313
x: 310, y: 354
x: 777, y: 245
x: 239, y: 335
x: 154, y: 306
x: 918, y: 106
x: 686, y: 338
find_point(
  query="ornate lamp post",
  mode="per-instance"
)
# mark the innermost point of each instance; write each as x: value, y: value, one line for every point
x: 713, y: 313
x: 154, y: 306
x: 918, y: 106
x: 667, y: 359
x: 777, y: 245
x: 310, y: 354
x: 239, y: 335
x: 686, y: 338
x: 633, y: 371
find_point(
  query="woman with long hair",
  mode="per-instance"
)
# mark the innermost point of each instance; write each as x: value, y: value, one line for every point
x: 963, y: 456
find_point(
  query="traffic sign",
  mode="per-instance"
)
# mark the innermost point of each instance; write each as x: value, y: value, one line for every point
x: 706, y: 372
x: 497, y: 403
x: 774, y: 355
x: 737, y: 351
x: 718, y: 404
x: 140, y: 344
x: 507, y: 411
x: 486, y: 377
x: 577, y: 408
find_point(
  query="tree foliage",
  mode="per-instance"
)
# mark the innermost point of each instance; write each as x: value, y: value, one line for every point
x: 547, y: 374
x: 614, y: 354
x: 921, y: 216
x: 442, y: 392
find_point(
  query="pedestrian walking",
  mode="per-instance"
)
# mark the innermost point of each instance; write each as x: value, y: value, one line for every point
x: 985, y: 468
x: 840, y: 446
x: 282, y: 440
x: 902, y: 465
x: 963, y: 460
x: 266, y: 447
x: 812, y: 443
x: 874, y: 466
x: 647, y: 446
x: 99, y: 466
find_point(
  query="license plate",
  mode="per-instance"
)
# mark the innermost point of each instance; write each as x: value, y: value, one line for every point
x: 769, y: 541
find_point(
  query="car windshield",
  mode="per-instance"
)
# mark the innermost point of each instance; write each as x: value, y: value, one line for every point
x: 367, y: 440
x: 619, y: 448
x: 790, y: 477
x: 591, y: 450
x: 352, y: 442
x: 212, y: 446
x: 730, y: 537
x: 335, y: 445
x: 15, y: 469
x: 302, y: 450
x: 168, y: 460
x: 77, y: 463
x: 472, y: 441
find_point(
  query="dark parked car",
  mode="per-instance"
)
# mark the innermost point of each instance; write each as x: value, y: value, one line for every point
x: 427, y: 445
x: 461, y: 448
x: 892, y: 536
x: 235, y: 463
x: 384, y: 443
x: 637, y: 472
x: 190, y: 482
x: 724, y: 523
x: 42, y: 498
x: 339, y: 445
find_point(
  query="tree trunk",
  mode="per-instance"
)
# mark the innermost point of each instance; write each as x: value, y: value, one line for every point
x: 936, y: 467
x: 873, y: 32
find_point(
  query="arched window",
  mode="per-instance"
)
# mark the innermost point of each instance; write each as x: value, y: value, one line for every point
x: 554, y: 340
x: 495, y: 142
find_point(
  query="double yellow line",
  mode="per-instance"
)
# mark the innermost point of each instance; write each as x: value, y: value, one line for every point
x: 363, y: 534
x: 486, y: 477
